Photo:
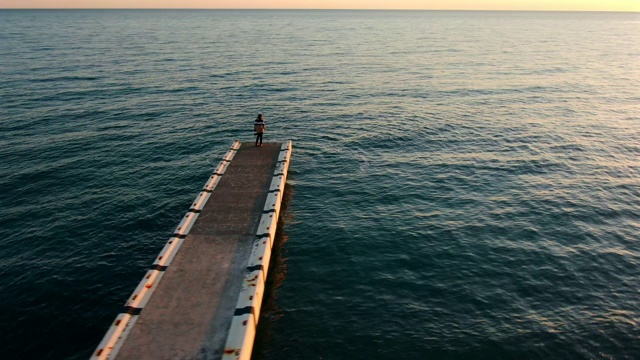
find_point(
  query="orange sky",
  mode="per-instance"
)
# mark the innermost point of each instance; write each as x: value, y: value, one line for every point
x: 579, y: 5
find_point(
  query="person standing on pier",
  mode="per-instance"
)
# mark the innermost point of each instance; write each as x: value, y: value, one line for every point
x: 259, y: 127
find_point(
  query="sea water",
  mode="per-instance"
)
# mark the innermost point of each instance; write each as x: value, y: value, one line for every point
x: 464, y: 185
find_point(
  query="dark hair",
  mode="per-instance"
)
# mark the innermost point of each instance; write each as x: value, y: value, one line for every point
x: 259, y: 117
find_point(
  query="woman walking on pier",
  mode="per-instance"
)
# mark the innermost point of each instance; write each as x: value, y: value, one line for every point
x: 259, y: 127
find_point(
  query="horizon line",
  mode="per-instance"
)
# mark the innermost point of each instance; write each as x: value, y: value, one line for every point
x: 337, y: 9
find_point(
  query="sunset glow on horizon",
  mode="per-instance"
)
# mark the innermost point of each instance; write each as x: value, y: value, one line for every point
x: 532, y: 5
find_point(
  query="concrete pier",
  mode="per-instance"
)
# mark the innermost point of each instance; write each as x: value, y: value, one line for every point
x: 212, y: 270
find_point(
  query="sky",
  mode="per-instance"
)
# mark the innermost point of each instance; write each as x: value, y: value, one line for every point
x: 557, y: 5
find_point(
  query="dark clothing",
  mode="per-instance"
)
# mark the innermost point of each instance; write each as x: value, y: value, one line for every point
x: 259, y: 127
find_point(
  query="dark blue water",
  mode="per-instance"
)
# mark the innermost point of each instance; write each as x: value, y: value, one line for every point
x: 466, y: 185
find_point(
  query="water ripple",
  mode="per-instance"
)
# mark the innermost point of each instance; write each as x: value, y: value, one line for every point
x: 465, y: 188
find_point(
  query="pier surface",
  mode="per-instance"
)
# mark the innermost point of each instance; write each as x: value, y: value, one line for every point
x: 191, y: 311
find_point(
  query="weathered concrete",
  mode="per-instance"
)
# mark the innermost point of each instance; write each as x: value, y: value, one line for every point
x: 190, y: 311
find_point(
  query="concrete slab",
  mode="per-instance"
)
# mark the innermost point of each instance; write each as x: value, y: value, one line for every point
x: 190, y: 312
